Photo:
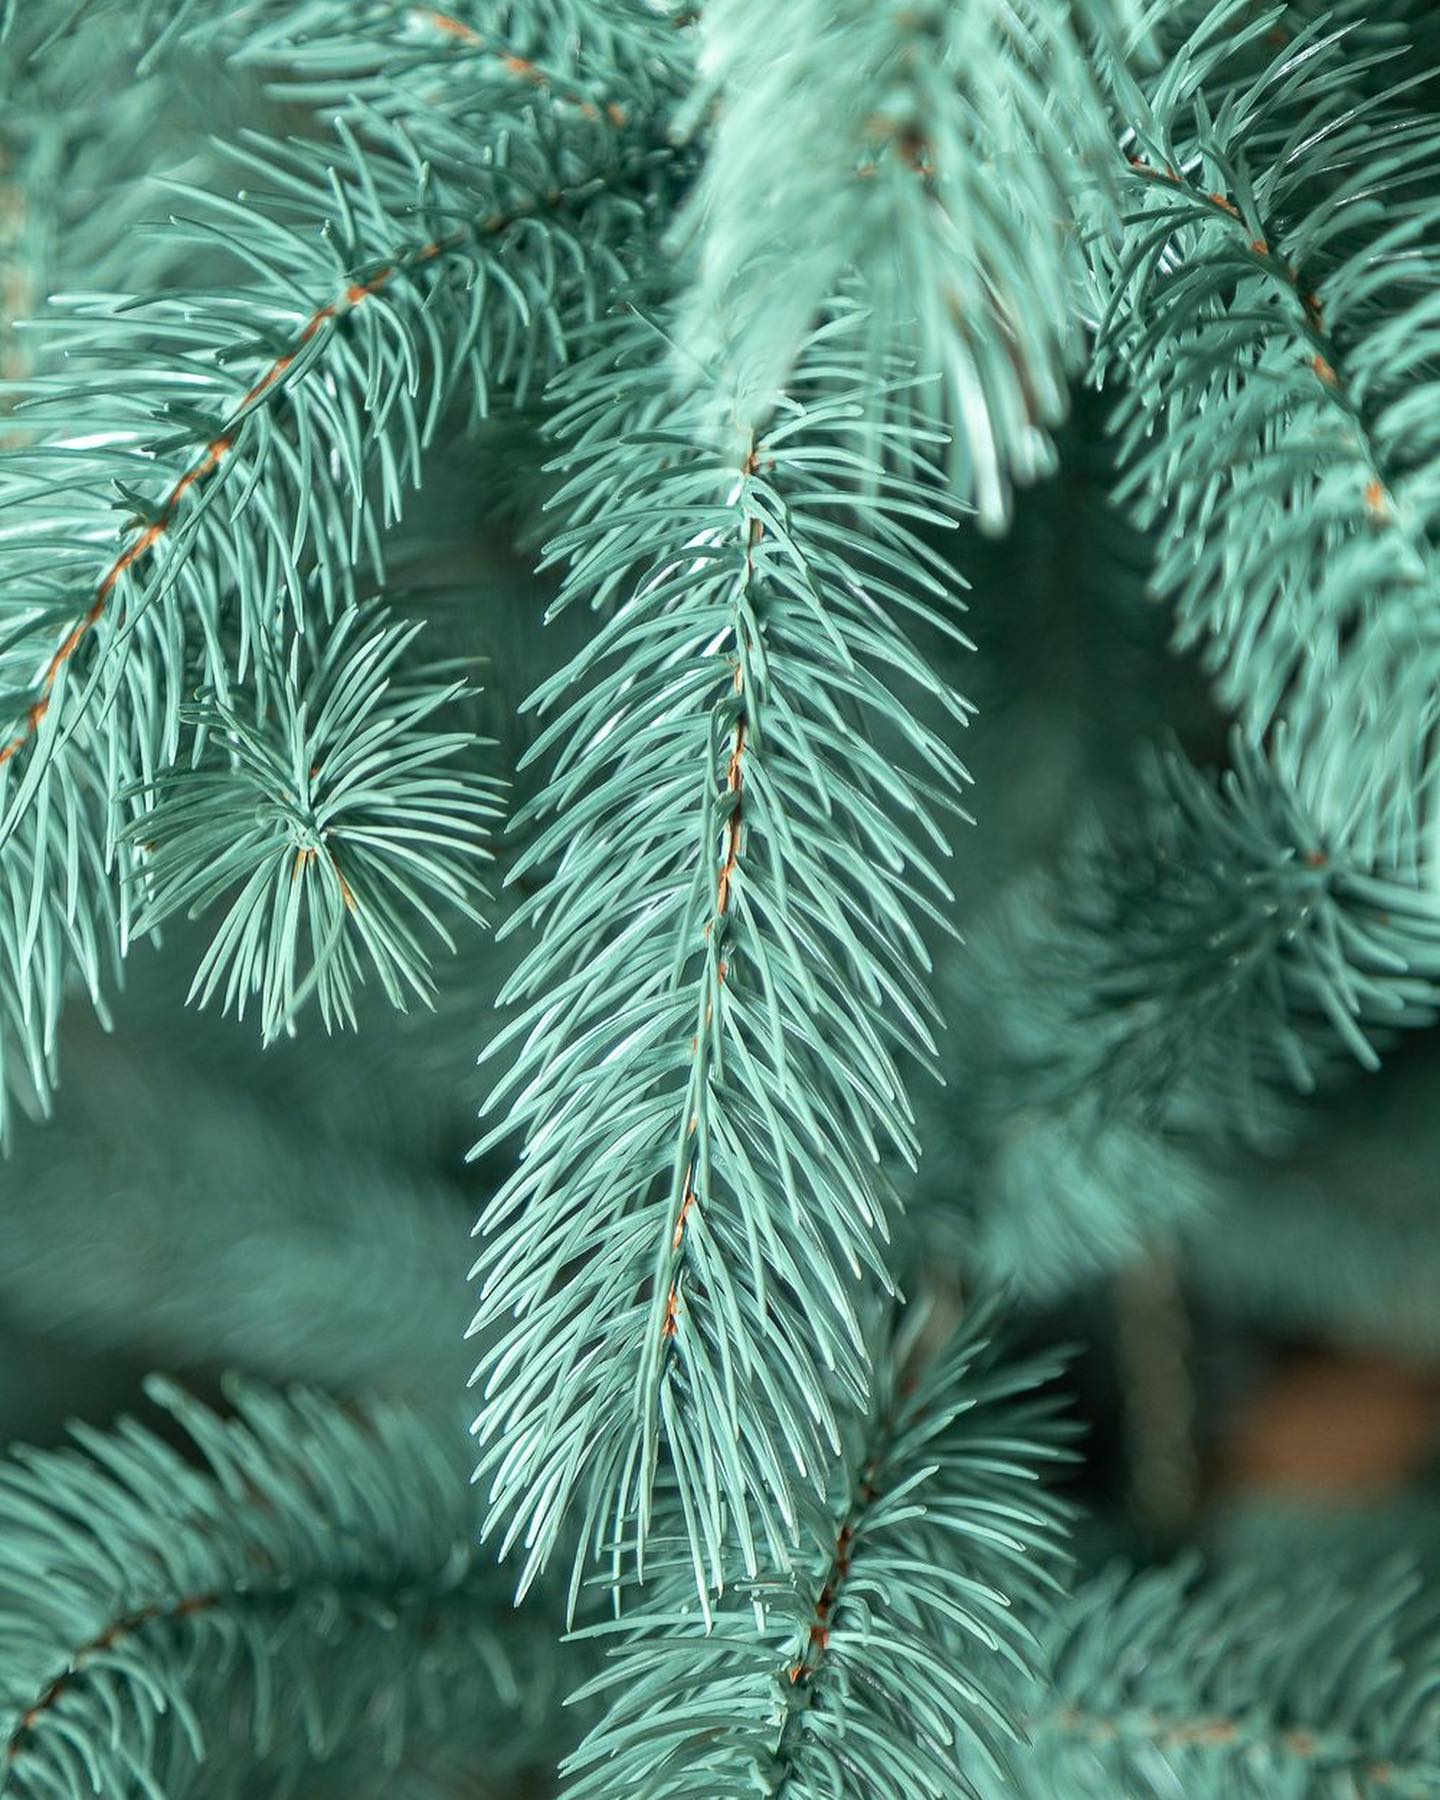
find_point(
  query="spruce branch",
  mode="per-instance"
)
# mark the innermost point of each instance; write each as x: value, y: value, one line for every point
x: 944, y: 154
x: 360, y: 818
x: 309, y: 1590
x: 1271, y: 305
x: 737, y: 835
x: 605, y: 59
x: 1251, y: 935
x: 878, y: 1665
x: 288, y: 415
x: 1238, y: 1688
x: 367, y: 242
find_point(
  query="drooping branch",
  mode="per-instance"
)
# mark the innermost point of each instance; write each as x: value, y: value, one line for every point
x: 687, y: 1012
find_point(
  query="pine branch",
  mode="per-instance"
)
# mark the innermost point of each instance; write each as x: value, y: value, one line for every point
x: 611, y: 59
x: 737, y: 842
x: 357, y: 820
x: 873, y: 1669
x: 310, y: 1590
x: 1271, y: 304
x: 1239, y: 1689
x: 946, y: 154
x: 426, y: 264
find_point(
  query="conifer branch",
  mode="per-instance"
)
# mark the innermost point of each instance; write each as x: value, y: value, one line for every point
x: 879, y: 1665
x: 360, y: 820
x: 894, y: 223
x: 941, y: 154
x: 372, y: 245
x: 1146, y: 1007
x: 1249, y: 940
x: 1238, y: 1689
x: 310, y: 1589
x: 610, y: 60
x: 425, y: 264
x: 1271, y: 301
x: 737, y: 832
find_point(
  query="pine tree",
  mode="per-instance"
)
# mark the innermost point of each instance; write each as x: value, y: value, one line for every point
x: 823, y: 615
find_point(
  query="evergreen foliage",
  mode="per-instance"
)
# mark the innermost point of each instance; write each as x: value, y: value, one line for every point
x: 1276, y: 285
x: 928, y: 163
x: 360, y: 338
x: 312, y: 1590
x: 1239, y: 1687
x: 360, y: 823
x: 411, y: 269
x: 721, y: 1171
x: 868, y: 1668
x: 172, y: 1219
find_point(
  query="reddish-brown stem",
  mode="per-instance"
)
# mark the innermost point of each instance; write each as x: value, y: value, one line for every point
x: 1288, y: 276
x: 519, y: 66
x: 818, y: 1641
x: 734, y: 832
x: 125, y: 1626
x: 147, y: 536
x: 1211, y: 1730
